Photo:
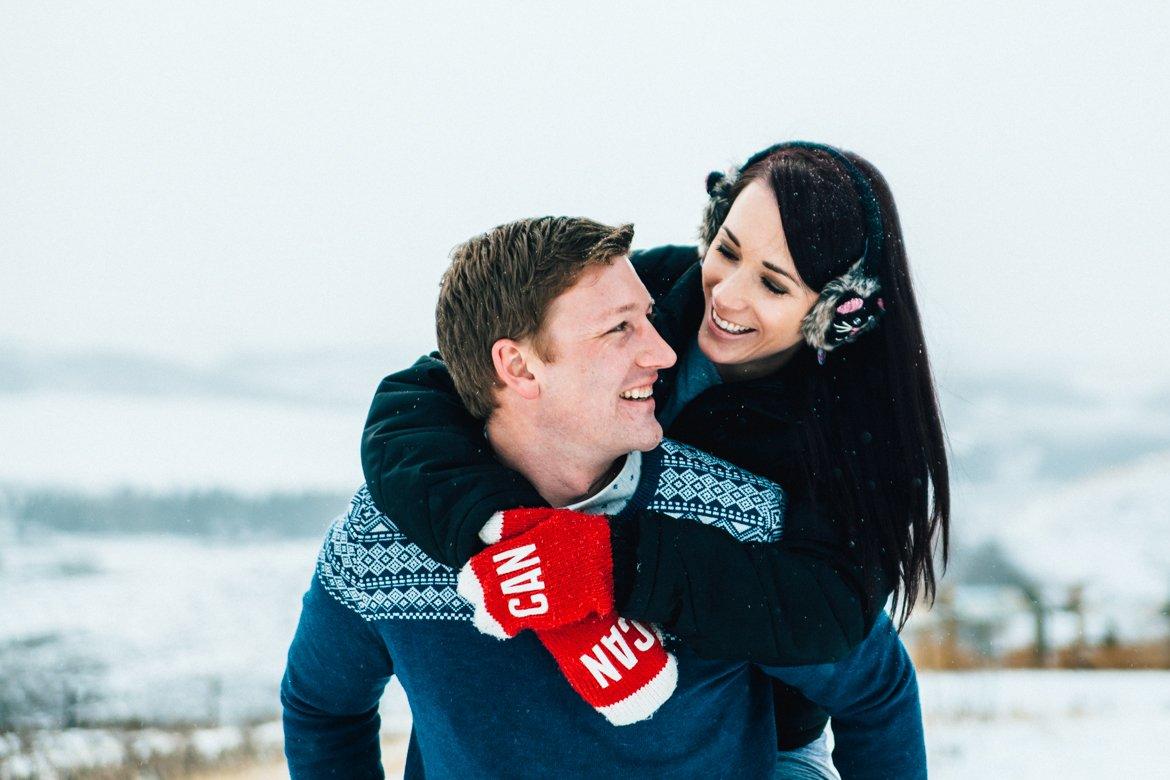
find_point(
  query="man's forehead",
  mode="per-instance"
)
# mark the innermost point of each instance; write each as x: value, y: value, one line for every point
x: 602, y: 293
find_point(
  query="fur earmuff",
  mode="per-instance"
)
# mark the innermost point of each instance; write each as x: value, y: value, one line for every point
x: 848, y: 307
x: 718, y: 204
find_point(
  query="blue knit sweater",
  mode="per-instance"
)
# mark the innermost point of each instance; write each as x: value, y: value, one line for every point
x: 378, y: 606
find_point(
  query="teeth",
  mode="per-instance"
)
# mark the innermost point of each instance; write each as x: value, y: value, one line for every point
x: 638, y: 393
x: 730, y: 327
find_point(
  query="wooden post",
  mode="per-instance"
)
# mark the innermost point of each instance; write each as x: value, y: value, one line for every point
x: 1166, y: 614
x: 1040, y: 618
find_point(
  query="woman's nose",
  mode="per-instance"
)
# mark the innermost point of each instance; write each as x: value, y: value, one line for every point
x: 727, y: 295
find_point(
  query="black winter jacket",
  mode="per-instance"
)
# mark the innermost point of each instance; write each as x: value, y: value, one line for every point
x: 801, y: 600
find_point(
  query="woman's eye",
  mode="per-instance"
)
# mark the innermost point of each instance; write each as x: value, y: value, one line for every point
x: 773, y: 288
x: 723, y: 250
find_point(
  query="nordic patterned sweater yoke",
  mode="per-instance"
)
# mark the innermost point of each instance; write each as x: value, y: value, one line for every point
x: 378, y: 606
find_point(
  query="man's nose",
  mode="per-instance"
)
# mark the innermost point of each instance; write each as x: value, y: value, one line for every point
x: 656, y: 353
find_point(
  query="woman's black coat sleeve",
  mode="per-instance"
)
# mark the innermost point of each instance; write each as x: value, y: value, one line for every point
x: 806, y: 598
x: 430, y: 469
x: 801, y: 600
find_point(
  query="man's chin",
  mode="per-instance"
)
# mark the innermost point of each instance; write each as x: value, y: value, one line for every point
x: 643, y: 435
x: 651, y: 440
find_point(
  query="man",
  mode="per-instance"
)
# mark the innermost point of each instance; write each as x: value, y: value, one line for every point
x: 570, y: 356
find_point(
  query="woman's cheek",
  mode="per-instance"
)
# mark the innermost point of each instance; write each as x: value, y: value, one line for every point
x: 786, y: 328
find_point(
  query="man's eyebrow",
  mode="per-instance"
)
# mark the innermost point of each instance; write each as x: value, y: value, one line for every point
x: 626, y: 308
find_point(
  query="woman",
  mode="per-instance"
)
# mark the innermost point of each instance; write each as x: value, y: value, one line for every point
x: 801, y: 358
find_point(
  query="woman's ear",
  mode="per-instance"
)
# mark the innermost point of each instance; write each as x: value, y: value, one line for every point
x: 511, y: 361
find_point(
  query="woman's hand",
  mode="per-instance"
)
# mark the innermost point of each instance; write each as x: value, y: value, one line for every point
x: 545, y: 568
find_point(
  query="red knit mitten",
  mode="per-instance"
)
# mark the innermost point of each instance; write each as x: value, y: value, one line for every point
x: 618, y: 666
x: 510, y: 524
x: 556, y: 571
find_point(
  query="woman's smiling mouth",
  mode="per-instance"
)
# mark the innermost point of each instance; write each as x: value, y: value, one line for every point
x: 728, y: 327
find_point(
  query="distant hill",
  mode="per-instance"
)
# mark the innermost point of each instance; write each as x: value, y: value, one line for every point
x: 213, y: 513
x: 1110, y: 532
x: 323, y: 378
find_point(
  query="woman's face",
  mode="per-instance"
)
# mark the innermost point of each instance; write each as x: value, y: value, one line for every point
x: 755, y: 298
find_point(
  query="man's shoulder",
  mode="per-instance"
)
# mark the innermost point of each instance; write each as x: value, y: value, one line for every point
x: 683, y: 481
x: 370, y: 566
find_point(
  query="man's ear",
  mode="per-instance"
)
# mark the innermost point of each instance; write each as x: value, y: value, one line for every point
x: 511, y: 361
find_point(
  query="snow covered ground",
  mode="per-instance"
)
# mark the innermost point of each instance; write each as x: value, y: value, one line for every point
x: 165, y: 628
x: 1041, y: 724
x: 169, y: 630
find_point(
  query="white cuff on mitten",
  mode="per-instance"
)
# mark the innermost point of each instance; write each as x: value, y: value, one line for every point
x: 493, y: 529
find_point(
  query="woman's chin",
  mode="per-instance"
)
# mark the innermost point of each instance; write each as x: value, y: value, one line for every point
x: 717, y: 351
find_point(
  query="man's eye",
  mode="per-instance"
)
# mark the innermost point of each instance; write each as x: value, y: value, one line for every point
x: 620, y: 328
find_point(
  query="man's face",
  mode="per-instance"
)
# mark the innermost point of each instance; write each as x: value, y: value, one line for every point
x: 604, y: 357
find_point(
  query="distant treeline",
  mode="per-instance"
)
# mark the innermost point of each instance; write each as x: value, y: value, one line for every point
x: 198, y: 513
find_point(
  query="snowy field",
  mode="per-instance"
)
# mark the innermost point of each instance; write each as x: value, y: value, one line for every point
x: 167, y: 629
x: 1043, y: 724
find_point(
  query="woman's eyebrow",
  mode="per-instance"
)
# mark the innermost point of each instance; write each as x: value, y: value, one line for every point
x: 769, y: 266
x: 779, y: 270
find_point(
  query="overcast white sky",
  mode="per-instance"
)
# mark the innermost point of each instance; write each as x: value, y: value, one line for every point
x: 201, y: 179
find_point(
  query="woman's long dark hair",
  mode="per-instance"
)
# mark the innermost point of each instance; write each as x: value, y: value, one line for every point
x: 870, y: 419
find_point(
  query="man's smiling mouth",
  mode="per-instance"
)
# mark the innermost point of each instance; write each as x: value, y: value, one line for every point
x: 638, y: 393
